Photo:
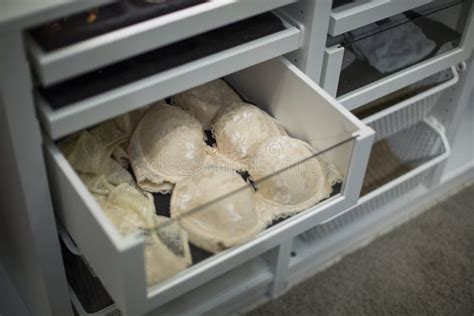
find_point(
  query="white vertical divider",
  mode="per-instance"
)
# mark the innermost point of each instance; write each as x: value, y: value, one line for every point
x: 332, y: 66
x: 451, y: 115
x: 314, y: 16
x: 358, y: 164
x: 29, y: 246
x: 132, y: 263
x: 281, y: 260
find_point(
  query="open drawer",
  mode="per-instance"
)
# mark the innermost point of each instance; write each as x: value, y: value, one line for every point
x: 382, y: 57
x: 69, y: 47
x: 302, y: 108
x: 86, y: 100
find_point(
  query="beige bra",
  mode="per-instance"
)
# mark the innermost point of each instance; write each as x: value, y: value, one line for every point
x: 127, y: 124
x: 289, y: 177
x: 167, y: 146
x: 240, y: 128
x: 217, y: 209
x: 89, y: 153
x: 205, y: 100
x: 166, y: 244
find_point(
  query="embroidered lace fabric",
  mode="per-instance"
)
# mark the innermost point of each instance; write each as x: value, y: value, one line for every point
x: 166, y: 244
x: 240, y: 128
x: 167, y: 146
x: 127, y: 124
x: 217, y: 209
x: 89, y: 153
x: 289, y: 177
x: 206, y: 100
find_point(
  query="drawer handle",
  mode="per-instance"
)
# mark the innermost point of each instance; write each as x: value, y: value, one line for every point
x: 68, y: 242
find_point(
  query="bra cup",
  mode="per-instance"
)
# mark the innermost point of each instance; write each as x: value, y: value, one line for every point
x: 287, y: 177
x: 216, y: 208
x: 178, y: 154
x: 206, y: 100
x: 167, y: 146
x: 240, y: 128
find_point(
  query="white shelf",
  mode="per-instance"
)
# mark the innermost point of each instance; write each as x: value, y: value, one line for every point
x: 95, y: 109
x: 363, y: 12
x: 460, y: 13
x: 403, y: 78
x: 24, y: 14
x: 129, y: 41
x: 251, y: 277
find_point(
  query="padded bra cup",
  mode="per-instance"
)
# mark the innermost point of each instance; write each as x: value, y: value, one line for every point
x: 240, y: 128
x: 217, y: 209
x: 288, y: 180
x: 206, y: 100
x: 167, y: 146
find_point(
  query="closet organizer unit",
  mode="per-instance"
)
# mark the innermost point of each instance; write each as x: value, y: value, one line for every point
x: 397, y: 44
x: 123, y: 67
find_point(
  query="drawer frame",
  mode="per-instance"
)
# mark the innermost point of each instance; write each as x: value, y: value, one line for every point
x: 118, y: 261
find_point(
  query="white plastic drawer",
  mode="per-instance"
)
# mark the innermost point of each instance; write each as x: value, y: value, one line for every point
x: 359, y: 73
x: 362, y: 12
x: 83, y: 113
x: 132, y: 40
x: 303, y: 108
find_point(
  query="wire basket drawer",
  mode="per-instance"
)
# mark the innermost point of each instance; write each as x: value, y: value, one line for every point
x: 414, y: 109
x: 417, y: 150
